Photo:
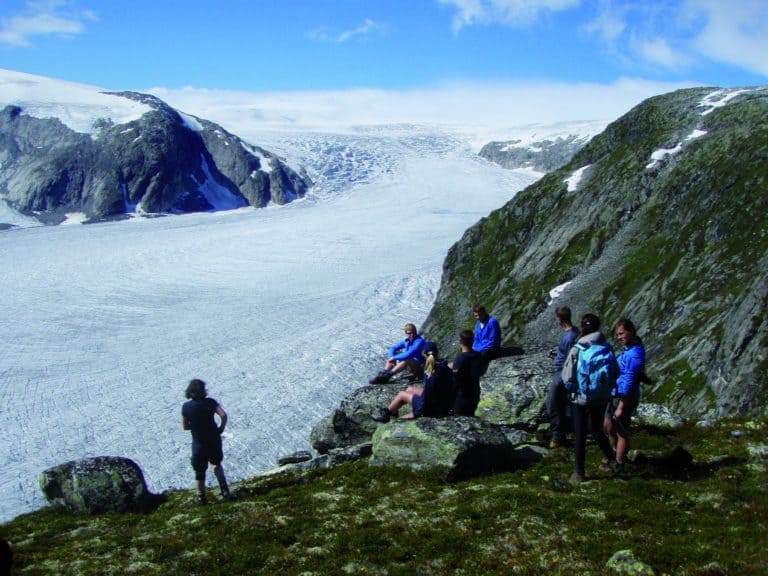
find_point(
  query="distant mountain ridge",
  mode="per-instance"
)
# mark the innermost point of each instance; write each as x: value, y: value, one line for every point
x: 543, y: 156
x: 162, y: 161
x: 661, y: 218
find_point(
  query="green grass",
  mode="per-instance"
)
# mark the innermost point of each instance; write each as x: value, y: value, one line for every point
x: 355, y: 519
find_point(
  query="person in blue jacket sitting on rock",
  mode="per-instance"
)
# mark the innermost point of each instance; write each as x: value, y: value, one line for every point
x: 487, y: 340
x: 404, y: 354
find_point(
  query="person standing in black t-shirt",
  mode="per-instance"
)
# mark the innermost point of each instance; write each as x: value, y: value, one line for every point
x: 197, y: 416
x: 467, y: 367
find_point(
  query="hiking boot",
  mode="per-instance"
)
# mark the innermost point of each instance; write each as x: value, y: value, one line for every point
x: 608, y: 465
x: 577, y: 478
x: 617, y: 468
x: 201, y: 499
x: 226, y: 496
x: 383, y: 415
x: 381, y: 378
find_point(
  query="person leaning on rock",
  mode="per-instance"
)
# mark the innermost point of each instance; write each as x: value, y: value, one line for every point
x: 487, y: 341
x: 405, y: 354
x: 197, y: 416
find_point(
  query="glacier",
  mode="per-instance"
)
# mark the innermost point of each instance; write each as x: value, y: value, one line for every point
x: 283, y: 311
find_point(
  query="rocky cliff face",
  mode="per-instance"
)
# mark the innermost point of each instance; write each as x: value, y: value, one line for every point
x: 661, y: 218
x: 542, y: 156
x: 164, y: 162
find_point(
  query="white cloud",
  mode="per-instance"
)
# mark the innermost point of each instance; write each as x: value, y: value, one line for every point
x: 42, y: 19
x: 658, y: 51
x: 677, y: 34
x: 734, y: 32
x: 515, y: 13
x: 481, y: 105
x: 367, y: 27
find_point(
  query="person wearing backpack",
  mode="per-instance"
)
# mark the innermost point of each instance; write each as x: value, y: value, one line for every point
x: 434, y: 399
x: 589, y: 374
x: 626, y: 395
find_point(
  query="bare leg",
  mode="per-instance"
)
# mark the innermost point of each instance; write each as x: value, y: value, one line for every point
x: 218, y: 471
x: 403, y: 397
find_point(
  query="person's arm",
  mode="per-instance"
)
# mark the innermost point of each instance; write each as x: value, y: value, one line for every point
x: 634, y: 365
x: 223, y: 417
x: 184, y: 422
x: 393, y: 350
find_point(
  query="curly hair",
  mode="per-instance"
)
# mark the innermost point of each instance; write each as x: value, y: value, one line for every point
x: 196, y: 390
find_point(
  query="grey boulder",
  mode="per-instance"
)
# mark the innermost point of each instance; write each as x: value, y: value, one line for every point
x: 98, y: 485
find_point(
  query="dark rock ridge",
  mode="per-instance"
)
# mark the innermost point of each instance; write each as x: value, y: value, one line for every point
x: 661, y: 218
x: 542, y: 156
x: 164, y: 162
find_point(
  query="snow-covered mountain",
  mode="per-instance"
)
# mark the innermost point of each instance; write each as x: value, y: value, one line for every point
x: 107, y: 155
x: 283, y: 311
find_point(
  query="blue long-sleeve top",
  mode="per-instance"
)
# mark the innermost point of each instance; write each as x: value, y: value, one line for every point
x: 631, y: 366
x: 487, y: 336
x: 408, y: 350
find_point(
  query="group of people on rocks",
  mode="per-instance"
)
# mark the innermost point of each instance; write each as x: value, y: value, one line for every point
x: 448, y: 388
x: 453, y: 388
x: 592, y: 388
x: 609, y: 417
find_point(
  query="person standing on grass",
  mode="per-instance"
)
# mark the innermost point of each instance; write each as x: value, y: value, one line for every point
x: 626, y: 397
x: 587, y: 414
x: 557, y: 397
x: 197, y: 416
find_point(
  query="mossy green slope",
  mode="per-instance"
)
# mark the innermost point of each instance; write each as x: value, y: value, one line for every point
x: 680, y: 245
x: 707, y: 518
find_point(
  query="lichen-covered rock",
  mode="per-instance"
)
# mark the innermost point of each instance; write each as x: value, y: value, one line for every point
x: 465, y: 446
x: 514, y: 389
x: 657, y: 415
x: 624, y: 563
x: 351, y: 422
x: 98, y: 485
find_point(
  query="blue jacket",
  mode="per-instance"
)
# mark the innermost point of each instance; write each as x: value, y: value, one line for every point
x: 407, y: 350
x: 487, y: 336
x: 631, y: 366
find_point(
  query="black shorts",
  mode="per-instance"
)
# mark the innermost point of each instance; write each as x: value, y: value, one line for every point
x: 621, y: 424
x: 202, y: 454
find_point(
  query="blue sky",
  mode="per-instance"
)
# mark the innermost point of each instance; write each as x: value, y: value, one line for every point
x: 622, y: 49
x: 257, y: 45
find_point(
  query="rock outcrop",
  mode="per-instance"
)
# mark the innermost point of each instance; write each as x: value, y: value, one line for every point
x: 543, y: 156
x: 661, y: 218
x: 465, y: 447
x: 505, y: 434
x: 163, y: 162
x: 98, y: 485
